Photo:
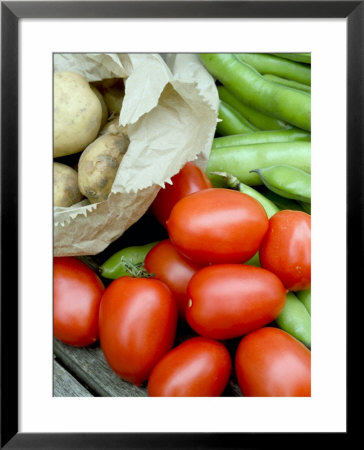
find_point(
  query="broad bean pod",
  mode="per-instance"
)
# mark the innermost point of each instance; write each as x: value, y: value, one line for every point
x: 283, y: 202
x: 305, y: 297
x: 261, y: 137
x: 241, y: 160
x: 287, y: 181
x: 250, y: 87
x: 298, y: 57
x: 256, y: 118
x: 232, y: 122
x: 281, y: 67
x: 289, y: 83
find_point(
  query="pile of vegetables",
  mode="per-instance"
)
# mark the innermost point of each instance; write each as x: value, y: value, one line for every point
x: 234, y: 264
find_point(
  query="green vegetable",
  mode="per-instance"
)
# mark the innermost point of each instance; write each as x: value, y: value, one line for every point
x: 295, y: 319
x: 306, y: 207
x: 289, y: 83
x: 258, y: 119
x: 282, y: 202
x: 261, y: 137
x: 117, y: 265
x: 241, y: 160
x: 281, y: 67
x: 287, y: 181
x: 232, y: 122
x: 305, y: 298
x: 298, y: 57
x: 251, y: 88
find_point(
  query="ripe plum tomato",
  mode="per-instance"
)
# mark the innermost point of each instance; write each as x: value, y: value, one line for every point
x: 271, y: 363
x: 168, y: 265
x: 286, y: 249
x: 137, y: 324
x: 198, y: 367
x: 229, y: 300
x: 217, y: 226
x: 77, y: 293
x: 188, y: 180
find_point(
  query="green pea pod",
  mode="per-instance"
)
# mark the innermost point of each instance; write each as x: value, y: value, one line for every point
x: 232, y: 122
x: 295, y: 319
x: 256, y: 118
x: 281, y: 67
x: 283, y: 202
x: 297, y: 57
x: 233, y: 183
x: 250, y: 87
x: 287, y: 181
x: 241, y: 160
x: 116, y: 266
x: 261, y: 137
x: 305, y: 297
x: 289, y: 83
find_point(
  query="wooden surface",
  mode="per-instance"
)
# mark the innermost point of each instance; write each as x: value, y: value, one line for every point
x: 84, y: 372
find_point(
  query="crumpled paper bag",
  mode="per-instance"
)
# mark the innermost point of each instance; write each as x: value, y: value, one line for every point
x: 169, y: 113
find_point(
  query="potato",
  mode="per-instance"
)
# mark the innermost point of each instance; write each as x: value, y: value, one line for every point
x: 99, y: 164
x: 65, y: 189
x: 113, y: 127
x: 105, y: 111
x: 114, y: 97
x: 77, y: 113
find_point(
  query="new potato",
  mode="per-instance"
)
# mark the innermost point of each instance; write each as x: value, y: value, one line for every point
x: 65, y: 192
x: 77, y: 113
x: 98, y: 166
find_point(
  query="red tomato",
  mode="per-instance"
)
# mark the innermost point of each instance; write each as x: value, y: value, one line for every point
x: 229, y: 300
x: 137, y: 323
x: 77, y: 293
x: 198, y: 367
x: 168, y: 265
x: 188, y: 180
x: 217, y: 226
x: 271, y: 363
x: 286, y: 249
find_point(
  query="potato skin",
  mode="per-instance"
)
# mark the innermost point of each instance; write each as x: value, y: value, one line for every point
x: 105, y: 111
x: 99, y: 164
x: 77, y: 113
x: 65, y: 186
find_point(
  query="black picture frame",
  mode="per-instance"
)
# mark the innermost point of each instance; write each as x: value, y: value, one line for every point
x: 11, y: 12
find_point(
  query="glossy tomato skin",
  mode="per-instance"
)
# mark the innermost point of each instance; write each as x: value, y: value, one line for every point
x: 217, y: 226
x: 286, y: 249
x: 77, y: 293
x: 271, y: 363
x: 229, y: 300
x: 137, y: 324
x: 169, y: 266
x: 188, y: 180
x: 198, y: 367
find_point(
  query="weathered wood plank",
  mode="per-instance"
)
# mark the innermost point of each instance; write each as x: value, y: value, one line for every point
x: 65, y: 385
x: 90, y: 366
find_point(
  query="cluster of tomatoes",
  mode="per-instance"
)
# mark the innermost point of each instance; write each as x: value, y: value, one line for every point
x: 198, y: 276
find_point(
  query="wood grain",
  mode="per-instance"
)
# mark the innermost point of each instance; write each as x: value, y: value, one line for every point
x: 65, y: 385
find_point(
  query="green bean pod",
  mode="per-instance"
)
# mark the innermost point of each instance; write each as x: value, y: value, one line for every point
x: 232, y: 122
x: 295, y: 319
x: 261, y: 137
x: 258, y: 119
x: 283, y: 202
x: 250, y: 87
x: 241, y: 160
x: 287, y: 181
x: 265, y: 63
x: 305, y: 298
x: 116, y: 266
x: 297, y: 57
x: 289, y: 83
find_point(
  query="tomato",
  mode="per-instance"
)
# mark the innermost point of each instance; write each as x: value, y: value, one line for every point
x: 286, y: 249
x: 168, y: 265
x: 137, y: 324
x: 188, y: 180
x: 198, y: 367
x: 217, y: 226
x: 229, y: 300
x: 77, y: 293
x: 271, y: 363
